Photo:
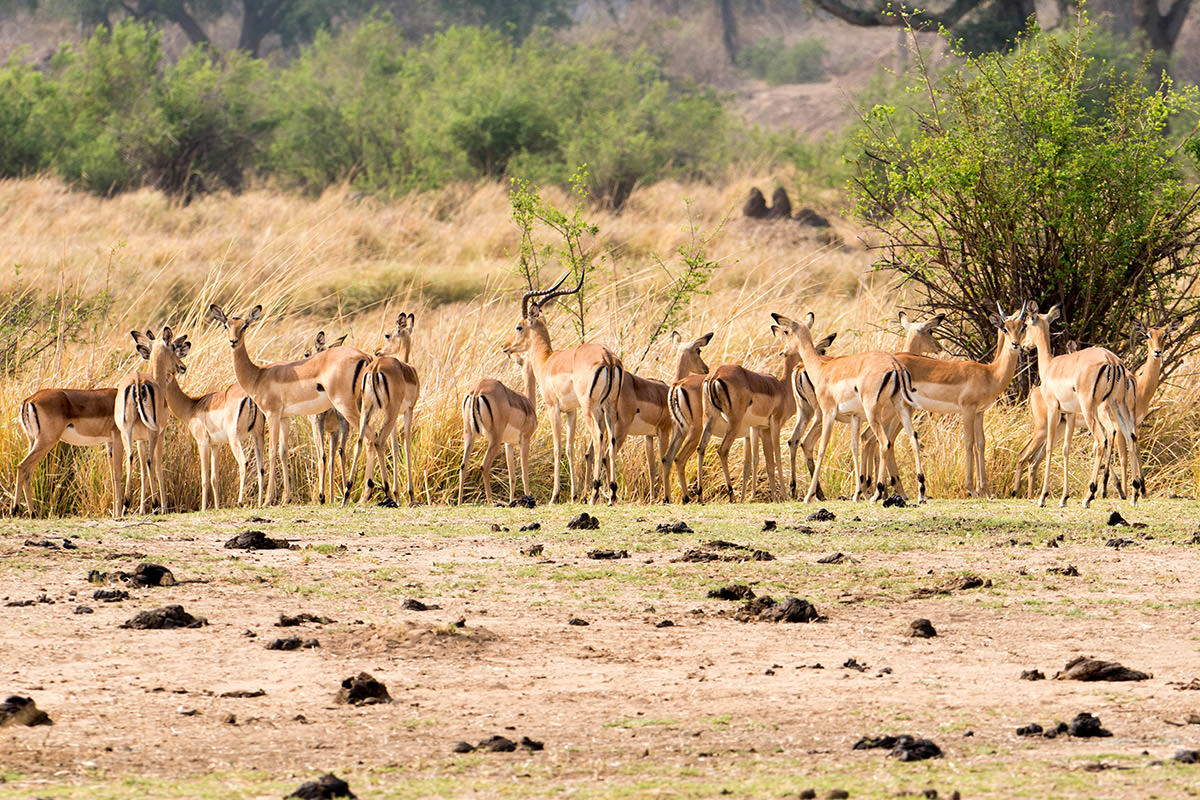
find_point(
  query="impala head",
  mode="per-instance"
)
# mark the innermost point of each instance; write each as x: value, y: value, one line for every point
x: 689, y: 352
x: 532, y: 306
x: 398, y: 341
x: 166, y: 353
x: 918, y: 334
x: 1156, y: 338
x: 1035, y: 323
x: 320, y: 343
x: 790, y: 333
x: 1011, y: 326
x: 235, y: 325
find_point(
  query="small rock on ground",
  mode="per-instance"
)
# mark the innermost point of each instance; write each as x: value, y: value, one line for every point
x: 292, y: 643
x: 673, y: 527
x: 1032, y: 675
x: 533, y: 550
x: 822, y: 515
x: 1186, y: 756
x: 286, y: 621
x: 578, y: 622
x: 1085, y: 726
x: 602, y: 555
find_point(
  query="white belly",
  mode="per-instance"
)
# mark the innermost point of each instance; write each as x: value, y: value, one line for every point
x: 307, y: 408
x: 72, y: 436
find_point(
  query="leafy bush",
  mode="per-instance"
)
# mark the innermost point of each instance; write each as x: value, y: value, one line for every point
x: 467, y: 103
x: 773, y: 61
x: 25, y: 140
x: 1041, y: 175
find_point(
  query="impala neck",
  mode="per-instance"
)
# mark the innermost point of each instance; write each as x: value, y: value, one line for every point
x: 808, y: 354
x: 1004, y: 364
x: 1041, y: 340
x: 180, y: 403
x: 539, y: 349
x: 247, y: 371
x: 530, y: 383
x: 1147, y: 379
x: 790, y: 362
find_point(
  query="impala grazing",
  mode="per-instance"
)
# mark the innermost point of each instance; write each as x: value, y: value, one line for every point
x: 860, y: 385
x: 586, y: 378
x: 141, y: 416
x: 388, y: 392
x: 305, y: 387
x: 1090, y: 383
x: 505, y: 418
x: 227, y: 417
x: 79, y: 417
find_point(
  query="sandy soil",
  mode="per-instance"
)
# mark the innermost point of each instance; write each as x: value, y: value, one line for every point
x: 689, y: 710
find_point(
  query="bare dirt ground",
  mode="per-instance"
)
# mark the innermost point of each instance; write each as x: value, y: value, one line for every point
x: 707, y: 707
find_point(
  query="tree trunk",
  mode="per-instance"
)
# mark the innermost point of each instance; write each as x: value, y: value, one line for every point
x: 255, y: 27
x: 1162, y: 30
x: 729, y: 30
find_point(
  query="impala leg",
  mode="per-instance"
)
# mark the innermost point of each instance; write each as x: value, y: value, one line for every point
x: 827, y: 420
x: 359, y: 444
x: 37, y: 451
x: 723, y: 454
x: 669, y: 463
x: 809, y: 445
x: 556, y: 430
x: 318, y: 432
x: 273, y: 424
x: 855, y: 430
x: 749, y: 465
x: 259, y: 463
x: 468, y: 443
x: 489, y: 456
x: 649, y: 442
x: 512, y: 473
x: 238, y: 446
x: 701, y: 449
x: 116, y: 457
x: 802, y: 417
x: 525, y: 441
x: 609, y: 414
x: 968, y: 426
x: 905, y: 414
x: 572, y: 429
x: 981, y: 456
x: 202, y: 448
x: 1068, y: 438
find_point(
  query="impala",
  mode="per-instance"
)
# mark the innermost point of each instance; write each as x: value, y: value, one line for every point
x: 227, y: 417
x: 643, y: 406
x: 808, y: 413
x: 388, y: 391
x: 305, y: 387
x: 586, y: 378
x: 1090, y: 383
x: 505, y: 418
x: 860, y: 385
x: 332, y: 425
x: 684, y: 401
x: 967, y: 389
x: 918, y: 335
x: 141, y: 415
x: 79, y: 417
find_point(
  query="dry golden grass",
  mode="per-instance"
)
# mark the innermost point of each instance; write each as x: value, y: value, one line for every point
x: 347, y: 264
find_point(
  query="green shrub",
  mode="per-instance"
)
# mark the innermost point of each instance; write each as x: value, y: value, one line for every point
x: 1041, y: 174
x: 770, y: 60
x: 26, y: 142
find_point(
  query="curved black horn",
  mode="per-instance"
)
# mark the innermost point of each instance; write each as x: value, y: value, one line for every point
x: 554, y: 291
x: 530, y: 295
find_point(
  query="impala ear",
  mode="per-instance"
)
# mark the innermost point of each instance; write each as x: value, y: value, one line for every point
x: 401, y: 321
x: 320, y: 340
x: 1031, y: 306
x: 996, y: 320
x: 1175, y: 325
x: 341, y: 340
x: 1139, y: 327
x: 675, y: 337
x: 215, y: 313
x: 1072, y: 345
x: 809, y: 319
x: 167, y: 334
x: 704, y: 340
x: 141, y: 343
x: 778, y: 331
x: 254, y: 315
x: 1054, y: 313
x: 904, y: 323
x: 823, y: 345
x: 412, y: 321
x: 182, y: 347
x: 933, y: 323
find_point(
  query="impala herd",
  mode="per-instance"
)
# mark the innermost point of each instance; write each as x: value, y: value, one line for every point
x: 345, y: 389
